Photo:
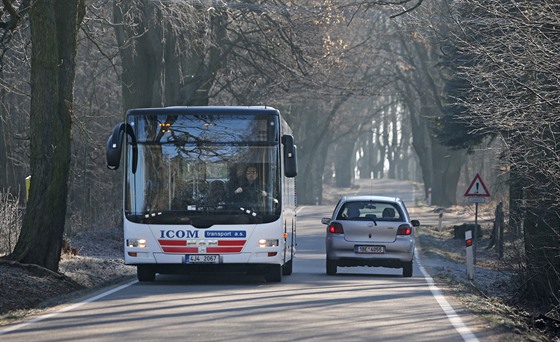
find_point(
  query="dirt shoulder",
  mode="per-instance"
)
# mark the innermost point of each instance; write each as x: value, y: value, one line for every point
x: 28, y: 289
x: 493, y: 295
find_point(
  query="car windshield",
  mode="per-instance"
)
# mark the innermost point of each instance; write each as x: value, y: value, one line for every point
x: 370, y: 210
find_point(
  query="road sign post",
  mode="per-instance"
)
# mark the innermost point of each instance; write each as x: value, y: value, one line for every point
x: 475, y: 233
x: 477, y: 193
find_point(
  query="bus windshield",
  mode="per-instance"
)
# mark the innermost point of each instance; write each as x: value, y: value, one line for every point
x: 203, y: 169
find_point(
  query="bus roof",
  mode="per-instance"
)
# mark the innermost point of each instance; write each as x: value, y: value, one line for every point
x: 206, y: 110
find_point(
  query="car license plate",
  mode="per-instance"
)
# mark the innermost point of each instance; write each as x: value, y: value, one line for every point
x: 369, y: 249
x: 202, y: 259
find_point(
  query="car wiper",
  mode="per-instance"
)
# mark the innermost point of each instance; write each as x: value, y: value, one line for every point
x: 372, y: 218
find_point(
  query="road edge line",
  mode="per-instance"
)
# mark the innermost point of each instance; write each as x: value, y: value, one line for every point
x: 451, y: 314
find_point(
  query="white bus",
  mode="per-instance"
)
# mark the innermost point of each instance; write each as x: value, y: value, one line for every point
x: 183, y: 210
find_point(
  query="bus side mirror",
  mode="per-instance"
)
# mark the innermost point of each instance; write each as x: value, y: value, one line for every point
x: 290, y: 156
x: 114, y: 147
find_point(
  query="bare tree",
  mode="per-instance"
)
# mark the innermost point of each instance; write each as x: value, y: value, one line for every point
x: 183, y: 53
x: 417, y: 50
x: 54, y: 28
x: 187, y: 53
x: 351, y: 91
x: 236, y: 53
x: 513, y: 77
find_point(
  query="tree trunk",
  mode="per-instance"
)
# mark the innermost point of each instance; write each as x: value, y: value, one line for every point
x: 312, y: 131
x: 446, y: 166
x: 515, y: 200
x: 309, y: 181
x: 422, y: 146
x: 54, y: 27
x: 393, y: 148
x: 365, y: 164
x: 405, y: 162
x: 310, y: 149
x: 541, y: 248
x: 541, y: 228
x: 344, y: 163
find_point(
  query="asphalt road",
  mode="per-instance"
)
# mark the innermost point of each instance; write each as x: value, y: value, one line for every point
x: 358, y: 304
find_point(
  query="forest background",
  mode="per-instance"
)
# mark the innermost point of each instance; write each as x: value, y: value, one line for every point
x: 433, y: 92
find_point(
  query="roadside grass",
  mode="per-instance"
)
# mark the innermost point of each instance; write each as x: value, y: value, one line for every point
x: 494, y: 294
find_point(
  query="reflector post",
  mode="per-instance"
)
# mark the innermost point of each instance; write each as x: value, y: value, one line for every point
x: 469, y: 252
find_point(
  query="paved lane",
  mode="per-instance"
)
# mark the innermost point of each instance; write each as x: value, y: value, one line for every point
x: 358, y: 304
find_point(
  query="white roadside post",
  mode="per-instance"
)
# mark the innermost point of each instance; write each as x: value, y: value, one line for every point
x: 470, y: 259
x: 429, y: 196
x: 440, y: 220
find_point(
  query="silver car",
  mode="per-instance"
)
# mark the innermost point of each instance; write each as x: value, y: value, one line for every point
x: 370, y: 231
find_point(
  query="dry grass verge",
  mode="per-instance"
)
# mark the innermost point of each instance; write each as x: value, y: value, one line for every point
x: 493, y: 295
x: 27, y: 289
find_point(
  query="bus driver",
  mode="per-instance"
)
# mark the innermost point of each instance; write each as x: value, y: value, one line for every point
x: 249, y: 190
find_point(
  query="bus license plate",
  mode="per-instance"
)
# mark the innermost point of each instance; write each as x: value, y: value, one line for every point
x: 202, y: 259
x: 369, y: 249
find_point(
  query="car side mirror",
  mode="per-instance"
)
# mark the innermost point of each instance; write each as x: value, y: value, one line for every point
x: 326, y: 220
x: 415, y: 223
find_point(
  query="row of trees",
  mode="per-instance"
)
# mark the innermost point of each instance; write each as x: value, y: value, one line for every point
x: 506, y: 57
x: 485, y: 73
x: 369, y: 90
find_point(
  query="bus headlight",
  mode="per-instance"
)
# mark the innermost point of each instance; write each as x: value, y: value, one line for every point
x: 136, y: 243
x: 268, y: 243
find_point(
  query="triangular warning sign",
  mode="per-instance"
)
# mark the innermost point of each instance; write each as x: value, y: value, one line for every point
x: 477, y: 188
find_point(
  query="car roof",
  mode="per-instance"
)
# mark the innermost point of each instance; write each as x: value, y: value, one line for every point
x: 370, y: 198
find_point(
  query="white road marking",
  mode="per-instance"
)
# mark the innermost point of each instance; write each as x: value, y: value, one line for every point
x: 455, y: 320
